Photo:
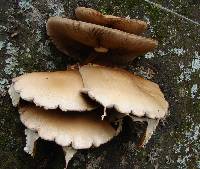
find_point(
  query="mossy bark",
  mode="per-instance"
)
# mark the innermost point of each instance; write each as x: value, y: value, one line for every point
x: 175, y: 66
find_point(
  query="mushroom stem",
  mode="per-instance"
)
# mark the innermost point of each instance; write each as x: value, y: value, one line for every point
x: 69, y: 153
x: 151, y: 127
x: 31, y: 138
x: 101, y: 49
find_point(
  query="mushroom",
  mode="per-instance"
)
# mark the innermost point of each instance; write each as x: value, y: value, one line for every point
x: 72, y: 131
x: 127, y: 93
x: 51, y: 90
x: 58, y: 98
x: 71, y: 36
x: 127, y: 25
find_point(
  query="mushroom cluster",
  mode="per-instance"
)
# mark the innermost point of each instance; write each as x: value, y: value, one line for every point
x: 66, y: 106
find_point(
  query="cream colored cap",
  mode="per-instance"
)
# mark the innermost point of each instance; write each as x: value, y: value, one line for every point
x: 113, y: 87
x: 51, y: 90
x: 78, y: 130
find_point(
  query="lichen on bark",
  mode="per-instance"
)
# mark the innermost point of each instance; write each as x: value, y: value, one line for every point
x: 175, y: 66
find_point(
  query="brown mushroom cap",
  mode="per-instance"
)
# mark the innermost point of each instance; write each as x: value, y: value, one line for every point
x: 128, y: 25
x: 51, y: 90
x: 90, y: 15
x: 78, y: 130
x: 113, y: 87
x: 57, y: 31
x: 64, y: 31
